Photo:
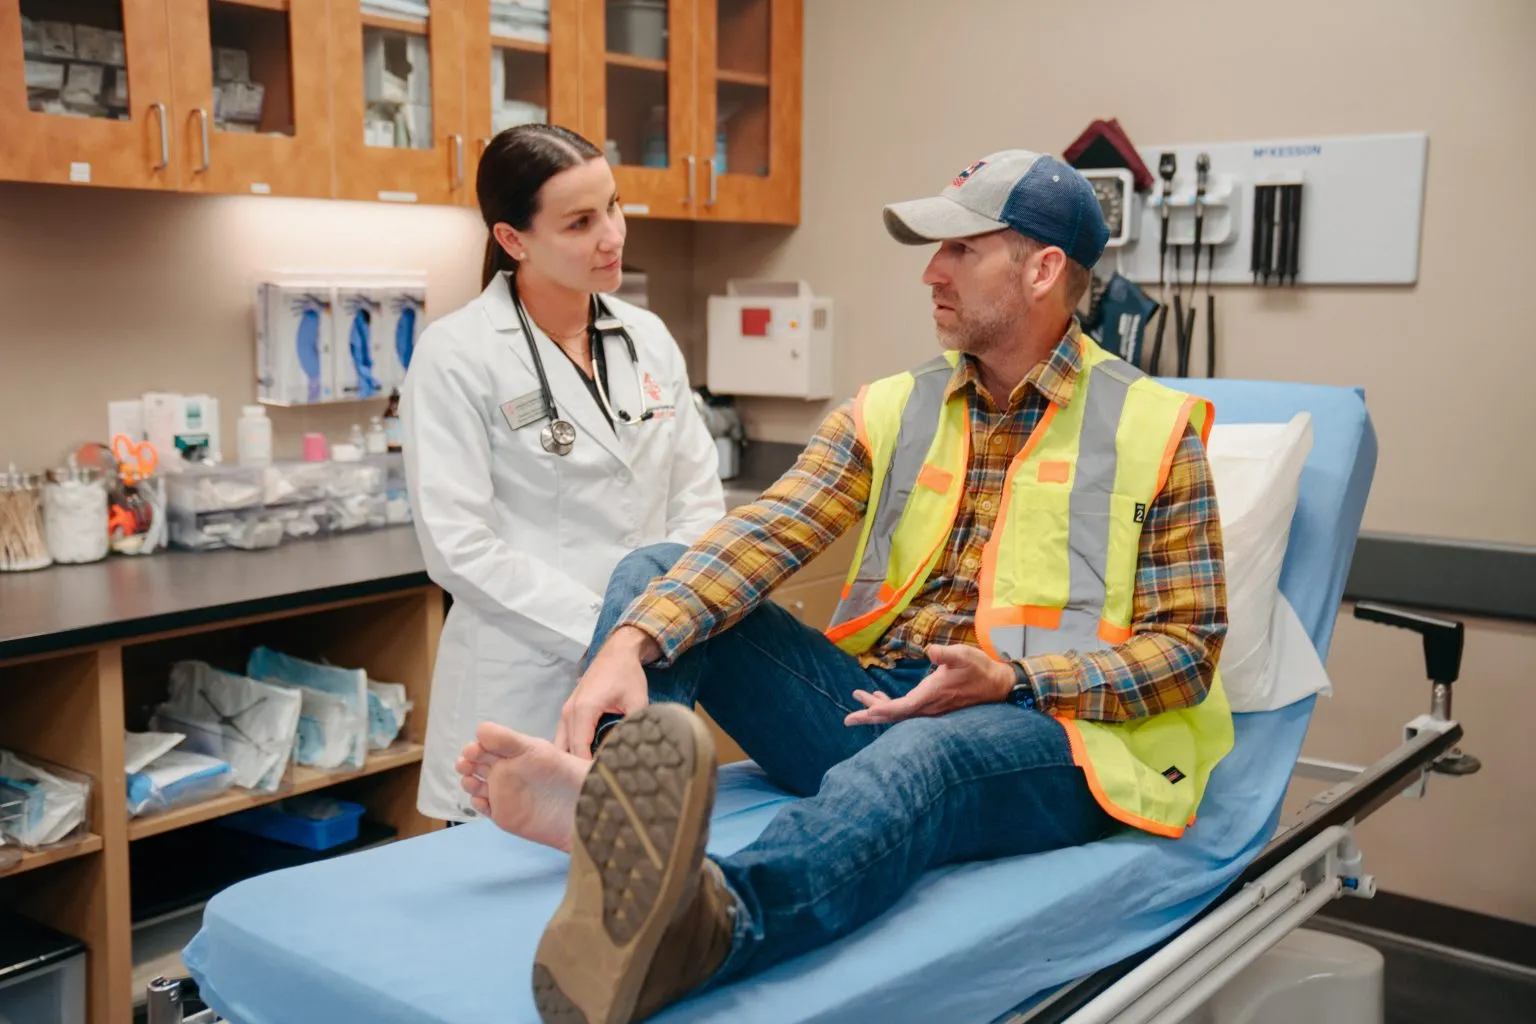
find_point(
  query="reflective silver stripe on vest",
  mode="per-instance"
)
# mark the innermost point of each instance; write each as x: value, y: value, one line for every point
x: 919, y: 424
x: 1088, y: 524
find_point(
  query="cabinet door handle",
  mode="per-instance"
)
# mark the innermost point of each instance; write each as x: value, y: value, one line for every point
x: 458, y: 160
x: 165, y: 137
x: 202, y: 116
x: 714, y: 191
x: 692, y: 164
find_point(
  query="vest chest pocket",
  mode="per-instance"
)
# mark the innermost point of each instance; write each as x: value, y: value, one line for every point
x: 1031, y: 565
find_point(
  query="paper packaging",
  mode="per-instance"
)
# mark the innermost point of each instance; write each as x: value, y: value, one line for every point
x: 294, y: 337
x: 404, y: 315
x: 231, y: 65
x: 359, y: 341
x: 103, y: 45
x: 84, y: 84
x: 58, y: 38
x: 42, y: 74
x: 31, y: 37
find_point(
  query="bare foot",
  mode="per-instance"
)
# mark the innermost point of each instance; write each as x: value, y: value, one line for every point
x: 522, y: 783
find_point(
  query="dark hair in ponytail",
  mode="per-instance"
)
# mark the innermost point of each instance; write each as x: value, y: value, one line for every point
x: 516, y: 164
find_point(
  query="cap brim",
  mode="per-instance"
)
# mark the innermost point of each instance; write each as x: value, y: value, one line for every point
x: 935, y: 219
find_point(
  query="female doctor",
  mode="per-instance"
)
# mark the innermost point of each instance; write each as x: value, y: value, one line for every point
x: 548, y: 431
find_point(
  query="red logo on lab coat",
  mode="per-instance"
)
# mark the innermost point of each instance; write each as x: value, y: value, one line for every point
x: 652, y: 389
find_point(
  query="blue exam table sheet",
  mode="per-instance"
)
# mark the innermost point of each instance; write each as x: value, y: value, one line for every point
x: 442, y: 928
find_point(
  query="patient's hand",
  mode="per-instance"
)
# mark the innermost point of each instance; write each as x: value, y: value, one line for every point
x: 614, y: 682
x: 963, y: 676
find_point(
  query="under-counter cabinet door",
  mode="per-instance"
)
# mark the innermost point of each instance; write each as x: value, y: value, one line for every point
x: 749, y: 110
x: 522, y: 65
x: 252, y: 110
x: 397, y: 93
x: 638, y: 77
x: 85, y: 93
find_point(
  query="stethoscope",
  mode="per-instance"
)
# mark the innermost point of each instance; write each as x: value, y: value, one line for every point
x: 559, y: 435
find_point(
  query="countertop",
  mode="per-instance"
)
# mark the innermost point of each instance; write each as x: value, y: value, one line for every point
x: 120, y: 597
x: 67, y: 606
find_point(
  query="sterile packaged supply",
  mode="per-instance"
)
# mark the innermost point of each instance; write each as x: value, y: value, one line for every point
x: 387, y: 708
x: 249, y: 724
x: 75, y: 514
x: 355, y: 492
x: 334, y: 718
x: 175, y: 779
x: 103, y: 45
x: 41, y: 803
x: 293, y: 343
x: 359, y: 340
x: 230, y: 65
x: 140, y: 749
x: 58, y: 38
x: 289, y: 482
x: 45, y: 75
x: 247, y: 529
x: 216, y: 489
x: 302, y: 521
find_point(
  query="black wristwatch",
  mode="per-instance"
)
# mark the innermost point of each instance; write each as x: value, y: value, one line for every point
x: 1023, y: 692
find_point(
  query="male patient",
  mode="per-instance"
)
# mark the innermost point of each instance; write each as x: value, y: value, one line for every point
x: 1024, y: 657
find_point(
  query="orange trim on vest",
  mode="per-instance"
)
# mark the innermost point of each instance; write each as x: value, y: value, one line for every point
x: 859, y: 429
x: 1054, y: 472
x: 885, y: 593
x: 1173, y: 444
x: 1114, y: 810
x: 935, y: 479
x: 1113, y: 633
x: 986, y: 615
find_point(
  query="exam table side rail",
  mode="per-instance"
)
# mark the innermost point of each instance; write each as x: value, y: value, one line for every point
x: 1311, y: 860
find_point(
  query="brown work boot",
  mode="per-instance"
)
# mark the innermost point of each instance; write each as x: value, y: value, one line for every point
x: 643, y: 922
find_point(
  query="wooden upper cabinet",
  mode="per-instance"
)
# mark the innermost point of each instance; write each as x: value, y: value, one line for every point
x: 521, y: 65
x: 252, y: 88
x: 749, y: 92
x: 85, y: 93
x: 638, y: 68
x: 397, y: 95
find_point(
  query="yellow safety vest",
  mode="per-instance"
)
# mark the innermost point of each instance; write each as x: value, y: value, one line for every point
x: 1059, y: 571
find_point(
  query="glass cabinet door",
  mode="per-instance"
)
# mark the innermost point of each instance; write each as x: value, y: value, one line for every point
x: 522, y: 67
x: 749, y: 118
x: 85, y: 93
x: 398, y: 90
x: 638, y: 102
x: 252, y: 103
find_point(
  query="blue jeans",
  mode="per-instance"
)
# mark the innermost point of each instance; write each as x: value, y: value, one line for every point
x: 883, y: 804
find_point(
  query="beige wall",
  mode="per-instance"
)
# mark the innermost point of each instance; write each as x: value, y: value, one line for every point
x: 898, y: 102
x: 108, y: 294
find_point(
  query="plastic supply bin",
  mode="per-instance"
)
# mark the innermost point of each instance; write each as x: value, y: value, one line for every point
x: 42, y: 974
x: 284, y: 825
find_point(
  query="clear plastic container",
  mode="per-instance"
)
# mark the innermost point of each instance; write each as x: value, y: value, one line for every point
x: 248, y: 529
x: 42, y: 804
x: 199, y: 489
x: 397, y: 497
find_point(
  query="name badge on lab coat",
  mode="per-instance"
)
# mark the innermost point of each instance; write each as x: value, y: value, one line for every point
x: 524, y: 410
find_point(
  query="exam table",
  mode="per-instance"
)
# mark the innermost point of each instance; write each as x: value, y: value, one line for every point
x: 442, y: 928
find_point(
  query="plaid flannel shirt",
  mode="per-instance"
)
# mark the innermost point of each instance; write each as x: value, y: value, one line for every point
x: 1178, y: 618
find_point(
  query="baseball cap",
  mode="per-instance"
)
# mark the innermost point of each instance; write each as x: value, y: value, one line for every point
x: 1033, y: 194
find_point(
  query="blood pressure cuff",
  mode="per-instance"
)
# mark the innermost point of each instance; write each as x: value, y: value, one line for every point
x: 1123, y: 315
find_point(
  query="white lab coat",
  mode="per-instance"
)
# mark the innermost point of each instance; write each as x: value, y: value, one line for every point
x: 524, y: 540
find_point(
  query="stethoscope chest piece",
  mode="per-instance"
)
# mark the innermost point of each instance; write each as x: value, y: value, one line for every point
x: 558, y: 437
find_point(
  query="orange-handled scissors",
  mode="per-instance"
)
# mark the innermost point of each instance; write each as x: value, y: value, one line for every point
x: 137, y: 459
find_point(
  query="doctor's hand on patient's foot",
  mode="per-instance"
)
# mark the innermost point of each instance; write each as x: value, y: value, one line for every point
x: 525, y: 785
x: 614, y: 683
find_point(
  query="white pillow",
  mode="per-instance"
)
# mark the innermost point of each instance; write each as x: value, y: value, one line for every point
x: 1256, y: 469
